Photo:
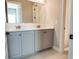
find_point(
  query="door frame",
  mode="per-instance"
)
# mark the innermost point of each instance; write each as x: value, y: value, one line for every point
x: 62, y: 17
x: 62, y: 24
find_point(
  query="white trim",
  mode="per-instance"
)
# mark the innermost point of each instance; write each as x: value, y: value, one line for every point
x: 55, y: 48
x: 66, y: 49
x: 61, y: 42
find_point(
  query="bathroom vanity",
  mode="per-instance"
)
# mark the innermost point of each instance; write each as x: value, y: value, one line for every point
x: 26, y: 41
x: 25, y: 29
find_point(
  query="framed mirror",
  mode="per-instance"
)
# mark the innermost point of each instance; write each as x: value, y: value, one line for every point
x: 23, y: 11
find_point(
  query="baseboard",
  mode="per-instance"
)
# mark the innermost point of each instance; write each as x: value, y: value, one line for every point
x: 55, y: 48
x: 66, y: 49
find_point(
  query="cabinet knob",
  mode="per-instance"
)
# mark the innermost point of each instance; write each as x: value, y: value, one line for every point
x: 7, y: 33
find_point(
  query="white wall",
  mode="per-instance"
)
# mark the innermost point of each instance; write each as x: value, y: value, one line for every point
x: 52, y: 12
x: 53, y: 15
x: 2, y: 29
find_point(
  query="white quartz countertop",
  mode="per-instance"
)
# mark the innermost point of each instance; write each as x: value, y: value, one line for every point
x: 12, y: 28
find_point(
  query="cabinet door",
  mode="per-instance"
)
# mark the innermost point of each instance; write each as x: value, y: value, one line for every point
x: 14, y: 44
x: 27, y: 43
x: 47, y: 39
x: 38, y: 40
x: 43, y: 39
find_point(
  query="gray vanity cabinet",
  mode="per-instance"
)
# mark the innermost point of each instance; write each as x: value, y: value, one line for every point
x: 14, y: 44
x: 27, y: 43
x: 38, y: 40
x: 43, y: 39
x: 47, y: 39
x: 20, y: 44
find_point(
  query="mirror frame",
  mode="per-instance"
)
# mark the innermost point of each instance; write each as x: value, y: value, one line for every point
x: 6, y: 12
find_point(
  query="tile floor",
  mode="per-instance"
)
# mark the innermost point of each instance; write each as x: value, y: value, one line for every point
x: 49, y: 54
